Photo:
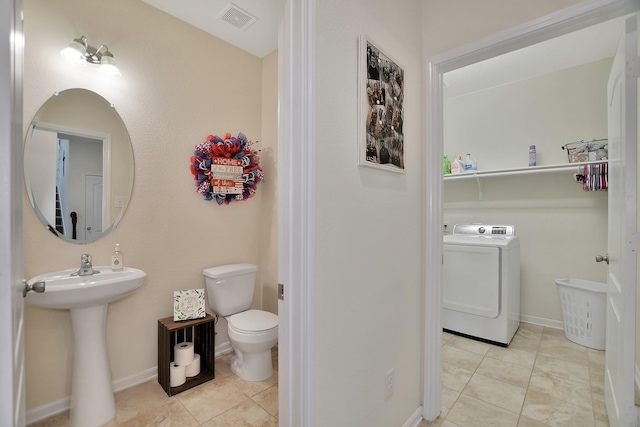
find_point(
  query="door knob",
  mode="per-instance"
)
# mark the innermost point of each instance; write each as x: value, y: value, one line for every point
x: 36, y: 286
x: 89, y: 228
x: 600, y: 258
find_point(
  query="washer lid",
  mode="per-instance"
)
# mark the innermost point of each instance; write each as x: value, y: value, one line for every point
x: 505, y: 242
x: 253, y: 321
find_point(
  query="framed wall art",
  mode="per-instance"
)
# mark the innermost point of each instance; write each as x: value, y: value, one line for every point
x: 381, y: 108
x: 188, y: 304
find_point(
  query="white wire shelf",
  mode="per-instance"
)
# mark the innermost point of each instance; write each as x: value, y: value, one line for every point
x: 521, y: 171
x: 530, y: 170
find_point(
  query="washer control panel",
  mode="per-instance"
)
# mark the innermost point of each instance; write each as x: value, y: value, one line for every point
x: 484, y: 230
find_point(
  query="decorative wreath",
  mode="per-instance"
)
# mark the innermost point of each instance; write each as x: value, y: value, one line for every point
x: 226, y: 169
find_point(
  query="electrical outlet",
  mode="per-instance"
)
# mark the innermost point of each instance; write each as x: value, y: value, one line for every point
x: 389, y: 383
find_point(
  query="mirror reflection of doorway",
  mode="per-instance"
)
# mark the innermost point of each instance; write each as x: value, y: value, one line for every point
x: 71, y: 183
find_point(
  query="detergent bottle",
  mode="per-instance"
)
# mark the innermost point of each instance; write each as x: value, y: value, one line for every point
x: 470, y: 163
x: 457, y: 166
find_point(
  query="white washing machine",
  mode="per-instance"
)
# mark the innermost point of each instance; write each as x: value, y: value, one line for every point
x: 481, y: 282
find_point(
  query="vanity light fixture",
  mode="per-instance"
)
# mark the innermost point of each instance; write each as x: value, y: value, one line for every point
x: 79, y: 52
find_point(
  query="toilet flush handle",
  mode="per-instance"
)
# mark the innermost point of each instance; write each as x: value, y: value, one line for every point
x: 220, y: 282
x: 600, y: 258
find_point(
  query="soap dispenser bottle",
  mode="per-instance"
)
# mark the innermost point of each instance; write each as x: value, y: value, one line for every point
x: 117, y: 259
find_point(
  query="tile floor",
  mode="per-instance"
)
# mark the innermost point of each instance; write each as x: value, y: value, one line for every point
x: 224, y: 401
x: 541, y: 379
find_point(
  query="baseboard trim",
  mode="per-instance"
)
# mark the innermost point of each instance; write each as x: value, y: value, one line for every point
x: 222, y: 349
x: 135, y: 379
x: 415, y: 418
x: 54, y: 408
x: 48, y: 410
x: 541, y: 321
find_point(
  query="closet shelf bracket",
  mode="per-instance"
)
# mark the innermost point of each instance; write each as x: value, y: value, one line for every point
x: 479, y: 182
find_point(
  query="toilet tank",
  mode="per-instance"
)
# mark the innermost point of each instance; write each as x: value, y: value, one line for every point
x: 230, y: 287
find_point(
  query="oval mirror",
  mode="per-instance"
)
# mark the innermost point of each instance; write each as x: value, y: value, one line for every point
x: 78, y: 165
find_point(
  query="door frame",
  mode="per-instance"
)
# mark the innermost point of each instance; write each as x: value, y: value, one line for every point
x: 12, y: 395
x: 563, y: 22
x: 296, y: 210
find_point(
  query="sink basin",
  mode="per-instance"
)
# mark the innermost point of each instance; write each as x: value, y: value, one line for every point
x: 87, y: 297
x: 64, y: 291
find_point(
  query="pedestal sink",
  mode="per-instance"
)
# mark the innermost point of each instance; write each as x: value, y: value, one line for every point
x: 92, y: 399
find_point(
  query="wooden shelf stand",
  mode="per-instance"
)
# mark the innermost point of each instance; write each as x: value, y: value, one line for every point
x: 201, y: 332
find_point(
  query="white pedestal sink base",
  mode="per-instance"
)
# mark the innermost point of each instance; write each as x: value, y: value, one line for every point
x: 92, y: 399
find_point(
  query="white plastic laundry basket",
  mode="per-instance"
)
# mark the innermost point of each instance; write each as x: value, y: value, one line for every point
x: 583, y: 305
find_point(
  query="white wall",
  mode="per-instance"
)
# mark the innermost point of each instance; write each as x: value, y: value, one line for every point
x: 170, y: 97
x: 368, y: 250
x: 560, y: 226
x: 560, y: 229
x: 497, y: 125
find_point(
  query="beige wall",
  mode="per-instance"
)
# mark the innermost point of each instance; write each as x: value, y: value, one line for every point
x: 178, y: 85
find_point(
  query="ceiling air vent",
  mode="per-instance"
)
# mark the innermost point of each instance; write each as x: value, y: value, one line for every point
x: 239, y: 18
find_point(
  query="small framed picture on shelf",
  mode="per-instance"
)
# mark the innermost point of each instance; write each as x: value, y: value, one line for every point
x: 188, y: 305
x: 381, y: 108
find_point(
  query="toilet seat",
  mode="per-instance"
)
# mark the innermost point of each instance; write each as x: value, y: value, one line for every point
x: 253, y: 321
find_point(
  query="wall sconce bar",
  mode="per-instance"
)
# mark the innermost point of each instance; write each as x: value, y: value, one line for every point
x: 79, y: 52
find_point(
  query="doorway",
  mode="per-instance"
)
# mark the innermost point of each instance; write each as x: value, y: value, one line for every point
x: 559, y: 24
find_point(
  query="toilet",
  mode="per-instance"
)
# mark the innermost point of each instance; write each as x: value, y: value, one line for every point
x: 252, y: 332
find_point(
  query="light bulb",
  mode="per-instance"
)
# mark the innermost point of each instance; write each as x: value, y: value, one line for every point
x: 108, y: 66
x: 74, y: 53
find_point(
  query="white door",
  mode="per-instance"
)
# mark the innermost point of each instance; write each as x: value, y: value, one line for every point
x: 623, y: 241
x: 92, y: 207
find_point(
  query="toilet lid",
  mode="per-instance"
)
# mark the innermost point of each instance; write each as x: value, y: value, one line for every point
x: 253, y: 321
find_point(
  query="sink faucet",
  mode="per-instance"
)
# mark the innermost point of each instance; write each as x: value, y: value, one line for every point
x: 86, y: 269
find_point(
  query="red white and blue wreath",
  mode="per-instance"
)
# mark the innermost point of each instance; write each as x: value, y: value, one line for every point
x: 226, y: 169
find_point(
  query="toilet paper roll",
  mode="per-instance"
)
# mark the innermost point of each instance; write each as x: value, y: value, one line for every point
x: 177, y: 375
x: 193, y: 368
x: 183, y: 353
